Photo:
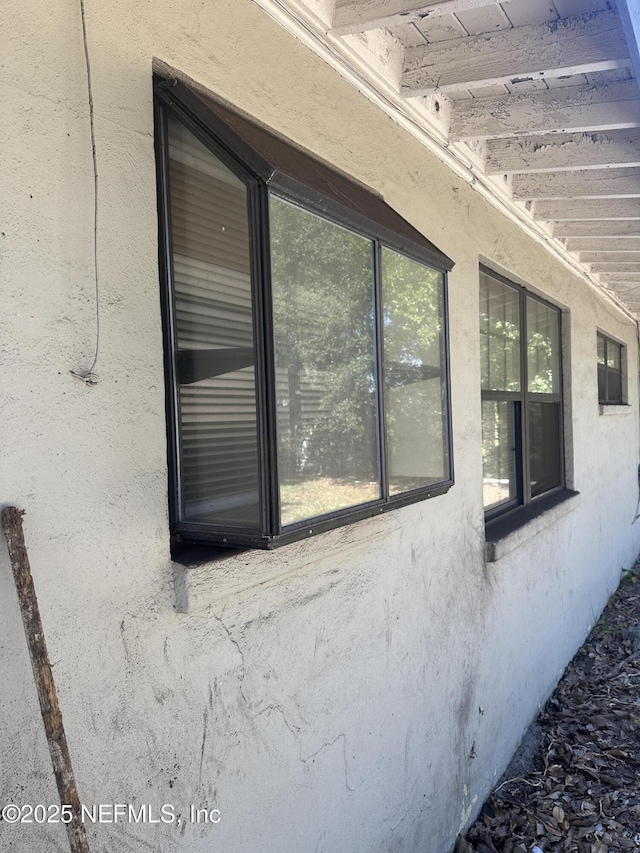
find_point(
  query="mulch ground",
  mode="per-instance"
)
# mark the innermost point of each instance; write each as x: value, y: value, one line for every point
x: 583, y: 793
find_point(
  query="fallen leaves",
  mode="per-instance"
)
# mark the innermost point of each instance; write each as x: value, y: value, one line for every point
x: 584, y: 796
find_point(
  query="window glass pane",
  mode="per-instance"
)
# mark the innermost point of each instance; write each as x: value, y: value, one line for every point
x: 613, y: 355
x: 214, y: 336
x: 609, y: 370
x: 602, y: 383
x: 615, y: 387
x: 544, y: 447
x: 325, y: 357
x: 498, y: 453
x: 415, y: 400
x: 499, y: 335
x: 543, y: 350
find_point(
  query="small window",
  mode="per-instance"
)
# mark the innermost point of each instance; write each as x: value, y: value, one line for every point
x: 305, y: 337
x: 522, y: 448
x: 609, y: 371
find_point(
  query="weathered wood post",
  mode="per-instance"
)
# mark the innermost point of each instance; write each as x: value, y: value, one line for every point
x: 43, y: 676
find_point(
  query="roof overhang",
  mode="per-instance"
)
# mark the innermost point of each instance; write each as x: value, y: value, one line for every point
x: 534, y: 103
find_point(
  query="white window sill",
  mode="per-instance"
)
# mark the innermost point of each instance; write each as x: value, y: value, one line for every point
x: 617, y: 409
x: 499, y: 545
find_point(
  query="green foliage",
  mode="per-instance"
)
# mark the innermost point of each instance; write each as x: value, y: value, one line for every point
x: 324, y: 320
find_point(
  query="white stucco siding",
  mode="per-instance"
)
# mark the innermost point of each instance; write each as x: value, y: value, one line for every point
x: 325, y: 697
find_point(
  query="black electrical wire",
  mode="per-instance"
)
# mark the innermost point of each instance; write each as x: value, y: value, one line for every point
x: 89, y: 377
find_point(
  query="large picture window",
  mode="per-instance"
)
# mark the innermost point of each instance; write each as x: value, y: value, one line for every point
x: 521, y: 395
x: 305, y: 336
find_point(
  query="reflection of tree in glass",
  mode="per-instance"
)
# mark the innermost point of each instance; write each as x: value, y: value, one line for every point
x: 542, y: 347
x: 412, y: 297
x: 323, y: 321
x: 499, y: 353
x: 497, y: 451
x: 540, y: 359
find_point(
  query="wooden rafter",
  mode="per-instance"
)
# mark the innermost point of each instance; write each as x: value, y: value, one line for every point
x: 587, y: 43
x: 549, y: 102
x: 571, y: 109
x: 623, y: 278
x: 613, y: 258
x: 590, y: 183
x: 597, y: 209
x: 603, y: 244
x: 613, y: 268
x: 610, y: 228
x: 568, y: 151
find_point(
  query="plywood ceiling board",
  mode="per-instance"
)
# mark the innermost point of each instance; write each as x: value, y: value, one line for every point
x: 524, y: 13
x: 568, y: 8
x: 484, y: 20
x: 436, y: 30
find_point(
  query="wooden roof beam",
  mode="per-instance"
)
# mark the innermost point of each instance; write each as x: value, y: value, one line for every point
x: 580, y: 109
x: 629, y: 293
x: 613, y: 268
x: 623, y: 279
x: 358, y: 16
x: 587, y: 43
x: 603, y: 245
x: 613, y: 258
x: 563, y: 151
x: 591, y: 183
x: 610, y: 228
x: 597, y: 209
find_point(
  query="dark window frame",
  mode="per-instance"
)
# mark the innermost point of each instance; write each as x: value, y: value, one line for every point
x: 522, y: 400
x: 213, y: 125
x: 604, y: 371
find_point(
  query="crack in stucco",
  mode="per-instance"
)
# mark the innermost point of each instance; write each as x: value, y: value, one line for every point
x: 248, y: 704
x: 204, y: 740
x: 330, y: 743
x: 233, y: 640
x: 274, y: 707
x: 39, y: 95
x: 125, y: 645
x: 295, y: 730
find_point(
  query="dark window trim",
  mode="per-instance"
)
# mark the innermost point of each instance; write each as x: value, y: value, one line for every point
x: 231, y: 130
x: 500, y: 527
x: 609, y: 401
x: 219, y: 130
x: 523, y: 499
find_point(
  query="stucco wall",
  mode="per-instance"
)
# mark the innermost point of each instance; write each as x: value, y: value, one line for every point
x: 358, y: 692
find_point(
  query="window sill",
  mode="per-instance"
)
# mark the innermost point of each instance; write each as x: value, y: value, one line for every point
x: 505, y: 534
x: 615, y: 409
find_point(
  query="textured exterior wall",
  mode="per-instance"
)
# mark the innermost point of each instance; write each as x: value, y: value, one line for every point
x: 327, y: 696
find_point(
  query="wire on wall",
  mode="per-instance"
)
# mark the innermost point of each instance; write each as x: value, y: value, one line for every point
x: 89, y: 377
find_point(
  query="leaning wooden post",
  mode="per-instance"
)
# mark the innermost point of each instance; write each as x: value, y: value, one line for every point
x: 52, y: 718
